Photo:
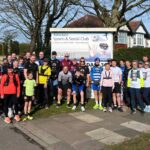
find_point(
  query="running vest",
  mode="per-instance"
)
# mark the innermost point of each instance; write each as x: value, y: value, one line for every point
x: 107, y: 77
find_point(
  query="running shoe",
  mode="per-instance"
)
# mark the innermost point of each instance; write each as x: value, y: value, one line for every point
x: 74, y: 107
x: 82, y: 108
x: 17, y: 118
x: 68, y: 106
x: 7, y: 120
x: 104, y: 109
x: 96, y: 106
x: 133, y: 112
x: 110, y: 109
x: 101, y: 107
x: 120, y: 109
x: 115, y: 107
x: 25, y: 118
x: 30, y: 117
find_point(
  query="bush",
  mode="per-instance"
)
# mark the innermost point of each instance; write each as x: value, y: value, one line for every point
x: 131, y: 53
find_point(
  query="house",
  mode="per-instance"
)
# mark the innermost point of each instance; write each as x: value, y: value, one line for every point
x: 134, y: 34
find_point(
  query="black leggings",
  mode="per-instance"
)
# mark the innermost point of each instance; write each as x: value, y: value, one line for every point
x: 107, y: 96
x: 9, y: 101
x: 43, y: 95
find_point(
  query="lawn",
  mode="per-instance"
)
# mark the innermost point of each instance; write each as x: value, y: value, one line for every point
x: 43, y: 113
x: 140, y: 143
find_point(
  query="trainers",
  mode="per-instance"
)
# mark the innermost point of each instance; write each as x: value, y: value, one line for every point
x: 115, y: 107
x: 46, y: 107
x: 17, y: 118
x: 30, y: 117
x: 82, y: 108
x: 74, y: 107
x: 96, y: 106
x: 101, y: 107
x: 25, y: 118
x: 58, y: 106
x: 68, y: 106
x: 7, y: 120
x: 104, y: 109
x: 133, y: 112
x: 120, y: 109
x: 110, y: 109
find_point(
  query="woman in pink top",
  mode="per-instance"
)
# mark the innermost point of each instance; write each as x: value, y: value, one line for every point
x: 107, y: 84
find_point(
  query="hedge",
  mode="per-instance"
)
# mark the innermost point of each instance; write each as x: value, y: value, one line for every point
x: 131, y: 53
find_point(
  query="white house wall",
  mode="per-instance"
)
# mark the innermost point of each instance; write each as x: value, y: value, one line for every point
x: 124, y: 28
x: 140, y: 30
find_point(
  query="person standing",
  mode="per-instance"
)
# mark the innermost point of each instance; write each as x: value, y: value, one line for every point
x: 107, y: 84
x: 55, y: 66
x: 40, y: 61
x: 95, y: 75
x: 146, y: 89
x: 29, y: 92
x: 135, y: 83
x: 66, y: 62
x: 117, y: 73
x: 10, y: 92
x: 44, y: 72
x: 84, y: 70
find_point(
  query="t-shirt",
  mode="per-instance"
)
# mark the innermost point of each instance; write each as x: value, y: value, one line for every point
x: 31, y: 67
x: 117, y: 72
x: 65, y: 79
x: 29, y: 87
x: 43, y: 73
x: 146, y: 76
x: 135, y: 75
x: 84, y: 70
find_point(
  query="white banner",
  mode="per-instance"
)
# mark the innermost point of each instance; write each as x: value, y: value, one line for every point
x: 88, y: 45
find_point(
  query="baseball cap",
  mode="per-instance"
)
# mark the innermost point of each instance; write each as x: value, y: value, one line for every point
x: 97, y: 59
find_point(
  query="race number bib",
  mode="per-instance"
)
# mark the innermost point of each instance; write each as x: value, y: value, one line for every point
x: 134, y: 76
x: 144, y: 75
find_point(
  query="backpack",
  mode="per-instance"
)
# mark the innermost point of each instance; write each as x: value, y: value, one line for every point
x: 42, y: 71
x: 8, y: 79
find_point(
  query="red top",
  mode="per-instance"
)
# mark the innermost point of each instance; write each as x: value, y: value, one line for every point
x: 67, y: 63
x: 11, y: 88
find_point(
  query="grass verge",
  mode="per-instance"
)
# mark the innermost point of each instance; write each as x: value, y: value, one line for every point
x: 140, y: 143
x: 44, y: 113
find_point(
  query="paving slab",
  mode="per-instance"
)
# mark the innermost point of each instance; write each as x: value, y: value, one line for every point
x: 106, y: 136
x: 86, y: 117
x: 134, y: 125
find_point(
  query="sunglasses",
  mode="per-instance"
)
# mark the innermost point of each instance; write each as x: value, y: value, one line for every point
x: 66, y: 56
x: 82, y: 61
x: 146, y: 64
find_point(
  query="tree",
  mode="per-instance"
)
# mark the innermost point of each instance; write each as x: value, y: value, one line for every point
x: 33, y: 18
x: 116, y: 13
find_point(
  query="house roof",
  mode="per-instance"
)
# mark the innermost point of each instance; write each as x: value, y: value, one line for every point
x: 91, y: 21
x: 87, y: 21
x: 134, y: 25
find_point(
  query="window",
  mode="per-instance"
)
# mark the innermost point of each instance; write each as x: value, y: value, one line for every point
x: 122, y: 37
x: 134, y: 39
x: 140, y: 39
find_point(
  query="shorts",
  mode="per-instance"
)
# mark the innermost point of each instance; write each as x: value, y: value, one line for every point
x: 117, y: 88
x: 76, y: 88
x: 95, y: 87
x: 28, y: 98
x: 66, y: 87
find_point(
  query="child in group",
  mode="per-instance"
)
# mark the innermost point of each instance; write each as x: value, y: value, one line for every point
x: 29, y: 85
x: 10, y: 92
x: 107, y: 83
x: 78, y: 86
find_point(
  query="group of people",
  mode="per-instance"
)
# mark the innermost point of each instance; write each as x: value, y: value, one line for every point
x: 44, y: 81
